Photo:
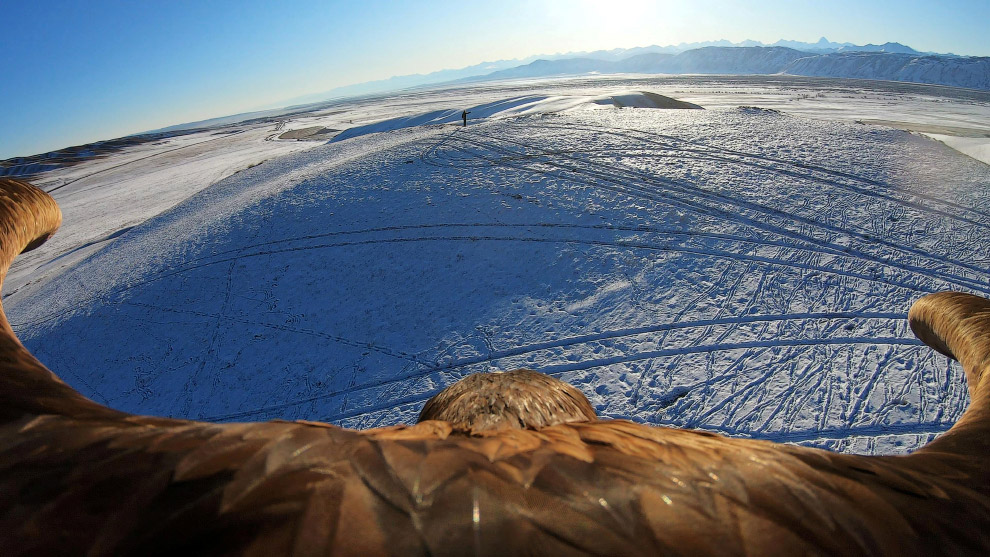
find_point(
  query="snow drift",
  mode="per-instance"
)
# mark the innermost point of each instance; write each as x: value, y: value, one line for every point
x: 739, y: 271
x: 521, y: 106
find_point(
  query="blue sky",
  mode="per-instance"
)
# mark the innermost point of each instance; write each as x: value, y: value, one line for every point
x: 75, y: 72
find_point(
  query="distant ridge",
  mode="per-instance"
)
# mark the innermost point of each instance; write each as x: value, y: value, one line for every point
x: 890, y: 61
x: 956, y: 71
x: 885, y: 47
x: 822, y: 46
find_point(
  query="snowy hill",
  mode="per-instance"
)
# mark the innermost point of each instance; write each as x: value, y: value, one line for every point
x: 973, y: 73
x: 736, y: 269
x: 521, y: 106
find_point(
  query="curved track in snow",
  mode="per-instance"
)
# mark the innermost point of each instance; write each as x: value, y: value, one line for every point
x: 753, y: 281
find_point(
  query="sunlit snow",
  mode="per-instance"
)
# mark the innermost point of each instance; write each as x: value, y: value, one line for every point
x: 736, y: 269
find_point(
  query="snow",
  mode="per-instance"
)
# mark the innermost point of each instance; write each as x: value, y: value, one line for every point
x: 107, y: 196
x: 890, y: 61
x: 743, y: 271
x: 512, y: 107
x: 970, y: 72
x: 976, y: 147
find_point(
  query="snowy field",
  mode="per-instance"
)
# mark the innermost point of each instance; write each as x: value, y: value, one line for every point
x: 739, y: 270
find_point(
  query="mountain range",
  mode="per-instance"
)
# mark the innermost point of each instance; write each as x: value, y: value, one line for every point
x: 892, y: 65
x: 889, y: 61
x: 711, y: 57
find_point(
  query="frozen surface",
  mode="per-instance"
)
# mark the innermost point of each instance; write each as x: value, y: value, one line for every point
x: 976, y: 147
x: 517, y: 106
x: 734, y: 269
x: 105, y: 197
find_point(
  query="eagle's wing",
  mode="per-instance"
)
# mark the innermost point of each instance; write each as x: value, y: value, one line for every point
x: 76, y: 477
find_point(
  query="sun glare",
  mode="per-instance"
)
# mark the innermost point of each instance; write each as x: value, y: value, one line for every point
x: 607, y: 25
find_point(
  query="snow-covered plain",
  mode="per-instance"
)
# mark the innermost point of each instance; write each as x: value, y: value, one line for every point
x: 739, y: 270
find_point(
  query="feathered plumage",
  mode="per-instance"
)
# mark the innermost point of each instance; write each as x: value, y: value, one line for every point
x: 520, y: 399
x: 522, y: 475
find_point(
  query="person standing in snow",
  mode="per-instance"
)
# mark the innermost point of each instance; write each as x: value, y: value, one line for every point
x: 464, y: 115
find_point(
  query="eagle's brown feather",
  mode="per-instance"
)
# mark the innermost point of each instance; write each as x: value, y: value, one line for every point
x: 78, y: 478
x: 518, y: 399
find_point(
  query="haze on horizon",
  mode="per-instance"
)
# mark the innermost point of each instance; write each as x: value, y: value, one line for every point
x: 77, y: 72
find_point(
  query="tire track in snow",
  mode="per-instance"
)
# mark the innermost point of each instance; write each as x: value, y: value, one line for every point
x: 812, y: 369
x: 714, y: 150
x: 497, y: 225
x: 748, y: 345
x: 735, y: 256
x: 866, y: 390
x: 277, y: 326
x: 690, y: 189
x: 667, y: 153
x: 635, y: 173
x: 706, y: 294
x: 209, y: 259
x: 732, y: 256
x: 840, y: 433
x: 733, y: 394
x: 629, y: 188
x: 560, y: 369
x: 584, y: 339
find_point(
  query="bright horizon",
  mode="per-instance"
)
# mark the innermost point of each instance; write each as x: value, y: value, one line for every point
x: 77, y: 73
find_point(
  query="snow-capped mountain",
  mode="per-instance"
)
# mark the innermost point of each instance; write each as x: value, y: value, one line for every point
x: 822, y: 46
x: 897, y: 48
x: 710, y: 59
x: 956, y: 71
x: 970, y: 72
x: 747, y: 60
